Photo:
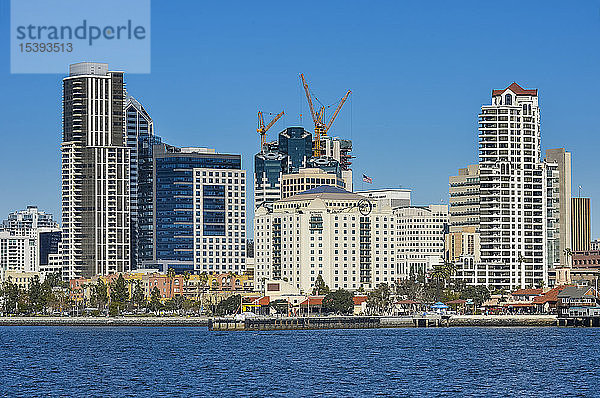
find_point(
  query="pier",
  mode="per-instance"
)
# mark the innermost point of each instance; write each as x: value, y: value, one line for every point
x: 295, y: 323
x: 588, y: 321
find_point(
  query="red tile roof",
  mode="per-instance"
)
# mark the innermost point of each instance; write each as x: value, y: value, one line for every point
x: 317, y: 300
x: 407, y: 302
x: 459, y: 301
x: 358, y: 300
x: 266, y: 300
x: 518, y: 90
x: 517, y: 305
x: 550, y: 296
x: 527, y: 292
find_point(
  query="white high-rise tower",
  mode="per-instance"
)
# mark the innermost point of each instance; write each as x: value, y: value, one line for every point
x: 513, y: 187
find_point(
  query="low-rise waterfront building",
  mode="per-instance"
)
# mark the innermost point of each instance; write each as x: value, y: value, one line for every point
x: 577, y: 296
x: 20, y: 278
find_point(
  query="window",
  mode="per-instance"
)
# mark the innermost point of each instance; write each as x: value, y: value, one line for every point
x: 508, y: 99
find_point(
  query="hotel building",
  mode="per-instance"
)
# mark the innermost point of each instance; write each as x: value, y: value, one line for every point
x: 322, y: 231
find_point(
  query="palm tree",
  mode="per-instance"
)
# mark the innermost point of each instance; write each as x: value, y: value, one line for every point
x: 438, y: 274
x: 186, y: 278
x: 203, y: 278
x: 171, y: 275
x: 521, y: 261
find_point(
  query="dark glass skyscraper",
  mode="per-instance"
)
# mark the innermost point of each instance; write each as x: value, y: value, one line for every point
x: 296, y: 143
x: 140, y: 139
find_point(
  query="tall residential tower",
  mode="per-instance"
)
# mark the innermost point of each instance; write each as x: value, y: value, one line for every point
x: 512, y: 215
x: 95, y: 172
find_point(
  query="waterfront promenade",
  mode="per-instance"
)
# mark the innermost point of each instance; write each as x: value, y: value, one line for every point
x: 290, y: 323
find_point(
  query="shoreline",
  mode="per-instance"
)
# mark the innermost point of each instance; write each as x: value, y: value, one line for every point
x: 288, y: 323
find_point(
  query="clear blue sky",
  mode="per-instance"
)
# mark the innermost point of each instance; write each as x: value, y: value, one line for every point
x: 419, y: 73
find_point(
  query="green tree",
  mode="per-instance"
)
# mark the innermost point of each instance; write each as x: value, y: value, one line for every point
x: 12, y: 296
x: 339, y: 302
x: 118, y: 290
x: 229, y: 306
x: 479, y: 294
x: 280, y: 306
x: 138, y: 297
x: 175, y: 304
x: 99, y: 295
x: 171, y: 274
x: 409, y: 289
x: 320, y: 287
x: 379, y: 300
x: 155, y: 304
x: 203, y: 279
x: 36, y: 295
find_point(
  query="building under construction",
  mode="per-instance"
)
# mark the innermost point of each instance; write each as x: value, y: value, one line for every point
x: 305, y: 160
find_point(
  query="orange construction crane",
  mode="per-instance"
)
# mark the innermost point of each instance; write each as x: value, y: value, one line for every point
x: 262, y: 129
x: 321, y: 125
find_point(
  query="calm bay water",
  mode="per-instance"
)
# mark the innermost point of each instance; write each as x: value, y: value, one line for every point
x: 152, y: 362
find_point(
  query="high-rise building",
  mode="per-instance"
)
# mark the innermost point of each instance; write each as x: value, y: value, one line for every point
x: 339, y: 150
x: 268, y: 169
x: 581, y: 229
x: 140, y: 140
x: 462, y: 243
x: 49, y: 244
x: 30, y: 237
x: 18, y: 253
x: 27, y: 222
x: 558, y: 203
x: 296, y: 143
x: 420, y: 232
x: 323, y: 231
x: 464, y: 199
x: 95, y: 172
x: 512, y: 193
x: 199, y: 210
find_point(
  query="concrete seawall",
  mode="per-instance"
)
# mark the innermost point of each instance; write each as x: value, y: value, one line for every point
x: 503, y: 320
x: 103, y: 321
x: 291, y: 323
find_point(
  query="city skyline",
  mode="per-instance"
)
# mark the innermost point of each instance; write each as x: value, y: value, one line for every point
x: 406, y: 98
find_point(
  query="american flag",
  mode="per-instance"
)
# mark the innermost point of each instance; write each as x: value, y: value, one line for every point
x: 367, y: 179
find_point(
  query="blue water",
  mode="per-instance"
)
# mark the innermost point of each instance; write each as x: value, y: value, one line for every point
x: 191, y: 362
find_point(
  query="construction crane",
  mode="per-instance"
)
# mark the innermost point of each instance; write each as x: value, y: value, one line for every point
x: 321, y: 125
x: 262, y: 129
